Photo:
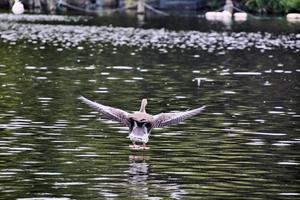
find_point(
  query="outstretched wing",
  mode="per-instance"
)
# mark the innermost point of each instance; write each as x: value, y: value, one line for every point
x: 167, y: 119
x: 108, y: 112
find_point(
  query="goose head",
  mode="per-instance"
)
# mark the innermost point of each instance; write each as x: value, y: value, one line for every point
x: 143, y: 105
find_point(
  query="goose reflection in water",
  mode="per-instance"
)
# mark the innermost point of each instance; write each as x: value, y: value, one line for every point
x: 140, y: 176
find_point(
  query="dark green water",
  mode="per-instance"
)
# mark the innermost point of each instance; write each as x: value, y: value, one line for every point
x: 244, y: 146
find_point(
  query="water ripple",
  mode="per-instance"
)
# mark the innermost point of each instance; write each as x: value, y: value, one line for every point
x: 40, y: 17
x: 145, y: 38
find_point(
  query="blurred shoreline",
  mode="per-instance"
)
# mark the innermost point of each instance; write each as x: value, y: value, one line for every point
x: 175, y: 7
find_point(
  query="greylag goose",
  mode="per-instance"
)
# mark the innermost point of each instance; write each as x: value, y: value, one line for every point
x: 141, y: 123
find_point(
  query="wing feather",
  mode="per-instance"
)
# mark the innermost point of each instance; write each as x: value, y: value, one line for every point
x: 108, y: 112
x: 167, y: 119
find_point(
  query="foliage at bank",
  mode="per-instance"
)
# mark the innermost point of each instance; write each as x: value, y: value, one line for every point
x: 270, y: 7
x: 262, y: 7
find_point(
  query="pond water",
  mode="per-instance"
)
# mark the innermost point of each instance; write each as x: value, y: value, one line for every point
x: 245, y: 145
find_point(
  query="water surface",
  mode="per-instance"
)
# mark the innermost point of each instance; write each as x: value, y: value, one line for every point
x: 244, y: 146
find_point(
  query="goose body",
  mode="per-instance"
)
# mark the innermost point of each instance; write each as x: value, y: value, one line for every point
x: 141, y: 123
x: 18, y: 7
x: 240, y: 16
